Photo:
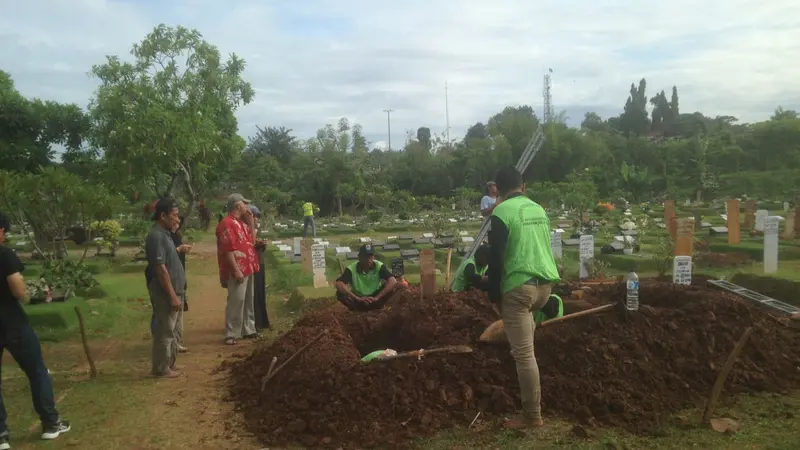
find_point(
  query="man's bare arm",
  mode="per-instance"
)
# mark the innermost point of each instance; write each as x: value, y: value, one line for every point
x: 16, y: 284
x: 344, y: 288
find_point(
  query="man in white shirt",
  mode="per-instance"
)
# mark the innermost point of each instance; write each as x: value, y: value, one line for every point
x: 489, y: 201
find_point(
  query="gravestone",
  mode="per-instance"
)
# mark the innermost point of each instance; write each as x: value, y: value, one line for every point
x: 365, y: 240
x: 378, y: 243
x: 682, y: 270
x: 684, y: 242
x: 555, y: 245
x: 761, y: 216
x: 405, y: 237
x: 749, y: 215
x: 585, y: 254
x: 342, y: 251
x: 305, y: 253
x: 718, y: 231
x: 468, y: 240
x: 571, y: 242
x: 705, y: 225
x: 352, y: 256
x: 734, y: 222
x: 421, y: 241
x: 437, y: 243
x: 318, y: 265
x: 297, y: 246
x: 391, y: 247
x: 427, y: 235
x: 427, y: 270
x: 789, y: 227
x: 463, y: 233
x: 408, y: 254
x: 669, y: 213
x: 296, y: 259
x: 771, y: 225
x: 398, y: 267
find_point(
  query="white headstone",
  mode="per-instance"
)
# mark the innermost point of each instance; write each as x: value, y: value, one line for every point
x: 342, y: 251
x: 318, y: 265
x: 555, y: 244
x: 297, y: 246
x: 682, y: 270
x: 771, y: 244
x: 427, y: 235
x: 586, y: 253
x: 467, y: 239
x: 365, y: 240
x: 277, y: 242
x: 317, y: 240
x: 463, y: 233
x: 452, y: 220
x: 761, y: 215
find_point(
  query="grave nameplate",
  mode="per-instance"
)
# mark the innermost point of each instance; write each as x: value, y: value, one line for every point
x: 398, y: 267
x: 391, y: 247
x: 352, y: 255
x: 556, y: 245
x: 318, y: 265
x: 586, y: 253
x: 761, y: 216
x: 771, y: 225
x: 682, y: 270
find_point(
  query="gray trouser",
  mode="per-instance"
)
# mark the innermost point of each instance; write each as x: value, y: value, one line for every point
x: 309, y: 220
x: 240, y: 318
x: 179, y: 326
x: 518, y: 322
x: 165, y: 331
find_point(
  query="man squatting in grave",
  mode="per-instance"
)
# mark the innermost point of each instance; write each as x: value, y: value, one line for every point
x: 365, y: 285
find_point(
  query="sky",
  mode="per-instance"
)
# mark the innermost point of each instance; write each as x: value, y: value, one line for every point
x: 314, y: 61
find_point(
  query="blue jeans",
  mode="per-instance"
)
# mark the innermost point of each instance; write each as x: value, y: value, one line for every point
x: 23, y: 344
x: 309, y: 220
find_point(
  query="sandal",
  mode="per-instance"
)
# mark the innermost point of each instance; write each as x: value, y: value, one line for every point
x: 255, y: 336
x: 230, y: 341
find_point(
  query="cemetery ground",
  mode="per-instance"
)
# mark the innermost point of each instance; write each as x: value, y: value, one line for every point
x: 123, y: 408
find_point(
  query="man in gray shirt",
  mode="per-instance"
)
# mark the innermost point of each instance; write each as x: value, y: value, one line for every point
x: 166, y: 287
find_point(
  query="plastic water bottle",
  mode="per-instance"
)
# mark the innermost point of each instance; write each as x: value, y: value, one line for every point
x: 632, y: 294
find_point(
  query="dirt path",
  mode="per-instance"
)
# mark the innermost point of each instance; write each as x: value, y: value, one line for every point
x: 194, y: 404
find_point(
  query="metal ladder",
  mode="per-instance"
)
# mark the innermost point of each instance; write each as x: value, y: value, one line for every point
x: 533, y: 147
x: 755, y: 296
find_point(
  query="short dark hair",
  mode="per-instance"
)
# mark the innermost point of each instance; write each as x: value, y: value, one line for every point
x: 5, y: 223
x: 164, y: 205
x: 508, y: 179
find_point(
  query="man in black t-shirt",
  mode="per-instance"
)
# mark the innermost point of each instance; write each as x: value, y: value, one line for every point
x: 17, y: 336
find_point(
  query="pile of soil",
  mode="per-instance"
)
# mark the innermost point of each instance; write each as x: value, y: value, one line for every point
x: 722, y: 259
x: 780, y: 289
x: 613, y: 369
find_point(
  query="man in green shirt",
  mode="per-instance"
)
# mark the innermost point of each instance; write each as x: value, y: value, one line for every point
x: 474, y: 274
x: 366, y: 284
x: 522, y: 271
x: 553, y: 309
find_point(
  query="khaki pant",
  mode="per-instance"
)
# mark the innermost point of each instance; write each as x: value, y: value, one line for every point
x: 240, y: 317
x: 516, y: 311
x: 165, y: 331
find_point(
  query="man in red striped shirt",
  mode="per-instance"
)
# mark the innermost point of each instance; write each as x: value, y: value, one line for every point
x: 237, y: 260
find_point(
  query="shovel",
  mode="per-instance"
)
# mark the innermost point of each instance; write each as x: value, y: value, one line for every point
x: 453, y: 349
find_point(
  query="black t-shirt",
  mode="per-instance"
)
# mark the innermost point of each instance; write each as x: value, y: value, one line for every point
x: 12, y: 316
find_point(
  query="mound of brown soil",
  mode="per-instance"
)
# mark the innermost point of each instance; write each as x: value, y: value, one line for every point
x: 627, y: 370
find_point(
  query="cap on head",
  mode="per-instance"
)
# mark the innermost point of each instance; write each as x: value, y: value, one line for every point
x: 254, y: 209
x: 233, y: 199
x: 164, y: 205
x: 366, y: 250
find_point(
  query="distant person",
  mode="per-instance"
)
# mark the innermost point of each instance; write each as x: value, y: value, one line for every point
x: 260, y: 279
x: 489, y: 200
x: 366, y: 284
x: 522, y: 271
x: 309, y: 209
x: 18, y: 337
x: 167, y: 288
x: 473, y: 276
x: 205, y: 215
x: 237, y: 261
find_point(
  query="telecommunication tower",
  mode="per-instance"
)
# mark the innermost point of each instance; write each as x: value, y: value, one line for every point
x: 548, y: 97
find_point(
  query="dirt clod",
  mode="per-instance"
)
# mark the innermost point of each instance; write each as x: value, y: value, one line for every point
x: 611, y: 369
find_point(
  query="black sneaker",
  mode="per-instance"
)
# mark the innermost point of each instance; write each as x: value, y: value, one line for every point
x: 51, y: 432
x: 4, y: 442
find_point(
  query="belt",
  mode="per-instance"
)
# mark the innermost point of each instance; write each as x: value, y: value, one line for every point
x: 535, y: 281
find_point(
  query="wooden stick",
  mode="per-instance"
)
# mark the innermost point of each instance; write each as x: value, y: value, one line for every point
x: 272, y: 365
x: 723, y: 374
x: 341, y: 267
x: 449, y: 259
x: 423, y: 352
x: 92, y: 368
x: 291, y: 358
x: 578, y: 314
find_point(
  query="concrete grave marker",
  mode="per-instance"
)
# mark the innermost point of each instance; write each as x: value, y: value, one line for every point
x: 405, y: 237
x: 365, y: 240
x: 297, y: 246
x: 342, y: 251
x: 408, y: 254
x: 428, y: 235
x: 352, y: 255
x: 789, y: 226
x: 398, y: 267
x: 715, y: 231
x: 771, y: 224
x: 391, y: 247
x: 467, y: 240
x: 555, y: 245
x: 305, y: 251
x: 586, y: 253
x: 749, y: 215
x: 682, y: 270
x: 732, y: 210
x: 421, y: 241
x: 761, y: 216
x: 427, y: 270
x: 318, y: 265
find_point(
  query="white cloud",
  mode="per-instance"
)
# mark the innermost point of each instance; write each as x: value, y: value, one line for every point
x: 318, y: 60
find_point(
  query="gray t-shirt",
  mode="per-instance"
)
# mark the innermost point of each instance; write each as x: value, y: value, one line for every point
x: 160, y: 249
x: 487, y: 202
